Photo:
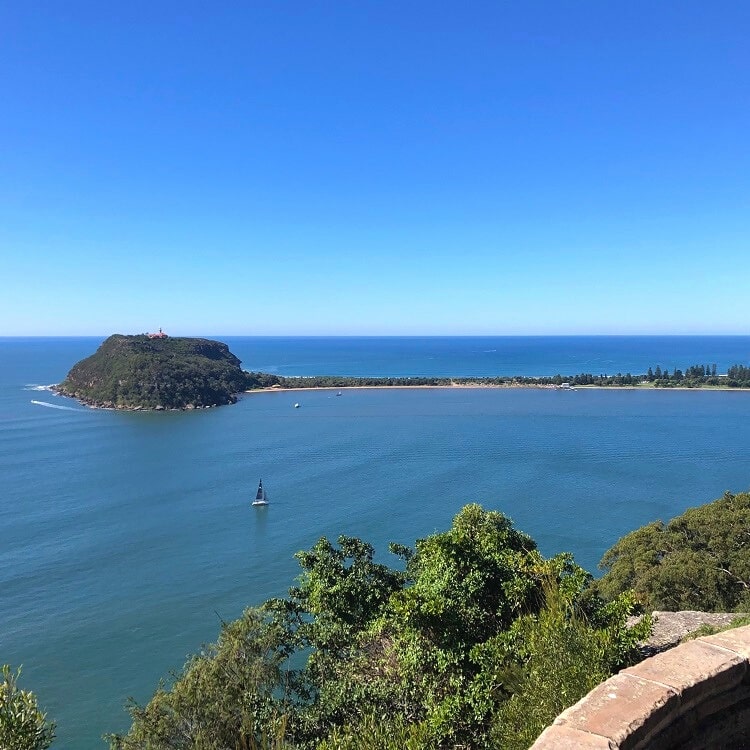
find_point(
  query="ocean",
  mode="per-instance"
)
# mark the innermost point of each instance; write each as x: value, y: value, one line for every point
x: 128, y: 537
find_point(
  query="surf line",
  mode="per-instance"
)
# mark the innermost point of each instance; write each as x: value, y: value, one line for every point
x: 54, y: 406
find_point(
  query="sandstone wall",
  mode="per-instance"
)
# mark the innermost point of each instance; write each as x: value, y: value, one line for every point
x: 693, y: 697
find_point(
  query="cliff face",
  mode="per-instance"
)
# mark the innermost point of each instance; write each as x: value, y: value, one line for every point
x: 138, y: 372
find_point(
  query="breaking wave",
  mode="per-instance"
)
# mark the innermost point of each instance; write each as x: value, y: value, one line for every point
x: 54, y: 406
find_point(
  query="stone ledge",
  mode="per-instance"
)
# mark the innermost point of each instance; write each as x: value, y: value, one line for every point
x: 689, y: 692
x: 736, y: 640
x: 696, y: 671
x: 558, y: 737
x: 625, y: 709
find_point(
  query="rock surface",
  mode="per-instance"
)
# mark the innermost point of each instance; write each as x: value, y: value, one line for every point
x: 671, y: 627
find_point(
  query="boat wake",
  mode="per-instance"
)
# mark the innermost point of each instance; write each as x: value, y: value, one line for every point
x: 34, y: 387
x: 54, y: 406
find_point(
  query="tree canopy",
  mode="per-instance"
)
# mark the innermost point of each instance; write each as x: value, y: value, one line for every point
x: 699, y: 560
x: 171, y: 373
x: 452, y: 646
x: 23, y: 725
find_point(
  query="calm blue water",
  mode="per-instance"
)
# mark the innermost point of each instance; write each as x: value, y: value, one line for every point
x: 126, y: 536
x: 479, y: 356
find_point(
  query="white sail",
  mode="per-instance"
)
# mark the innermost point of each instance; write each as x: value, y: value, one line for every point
x: 260, y: 496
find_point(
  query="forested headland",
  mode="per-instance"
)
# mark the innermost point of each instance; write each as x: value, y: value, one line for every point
x: 161, y: 372
x: 146, y: 372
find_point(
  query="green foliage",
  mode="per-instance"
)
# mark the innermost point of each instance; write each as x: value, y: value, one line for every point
x: 467, y: 585
x: 340, y: 592
x: 222, y: 700
x: 739, y: 376
x: 361, y: 655
x: 438, y: 651
x: 699, y: 560
x: 343, y: 589
x: 695, y: 376
x: 23, y: 726
x: 376, y: 733
x: 255, y: 380
x: 470, y: 581
x: 169, y: 373
x: 566, y: 656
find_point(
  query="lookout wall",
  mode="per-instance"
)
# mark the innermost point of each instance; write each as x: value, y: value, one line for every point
x: 691, y: 697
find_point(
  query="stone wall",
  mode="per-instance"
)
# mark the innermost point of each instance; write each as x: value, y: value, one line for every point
x: 691, y: 697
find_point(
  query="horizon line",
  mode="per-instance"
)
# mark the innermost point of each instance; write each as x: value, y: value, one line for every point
x: 382, y: 335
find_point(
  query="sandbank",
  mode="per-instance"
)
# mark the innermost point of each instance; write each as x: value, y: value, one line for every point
x: 477, y: 386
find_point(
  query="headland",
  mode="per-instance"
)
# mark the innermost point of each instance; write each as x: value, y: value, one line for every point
x: 156, y: 371
x: 159, y: 372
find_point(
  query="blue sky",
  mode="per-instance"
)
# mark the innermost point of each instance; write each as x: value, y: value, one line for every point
x: 374, y: 167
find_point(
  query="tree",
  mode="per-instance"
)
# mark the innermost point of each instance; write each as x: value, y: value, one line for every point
x: 566, y: 657
x: 342, y: 589
x: 361, y: 655
x: 222, y: 700
x: 699, y: 560
x: 23, y: 726
x: 446, y: 651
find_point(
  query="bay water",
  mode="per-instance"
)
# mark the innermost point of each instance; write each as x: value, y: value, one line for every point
x: 125, y: 538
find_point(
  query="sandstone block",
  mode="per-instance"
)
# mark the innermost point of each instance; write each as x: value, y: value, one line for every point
x: 559, y: 737
x: 737, y: 640
x: 696, y: 671
x: 625, y: 709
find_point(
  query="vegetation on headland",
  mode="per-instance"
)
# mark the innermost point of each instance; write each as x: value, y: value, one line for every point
x: 473, y: 640
x: 140, y: 372
x: 699, y: 560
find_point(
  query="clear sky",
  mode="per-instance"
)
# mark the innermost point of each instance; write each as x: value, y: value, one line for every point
x: 374, y: 167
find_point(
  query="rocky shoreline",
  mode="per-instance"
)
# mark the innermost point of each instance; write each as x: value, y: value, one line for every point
x: 110, y: 406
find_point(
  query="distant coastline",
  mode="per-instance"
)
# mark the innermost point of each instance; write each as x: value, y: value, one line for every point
x: 491, y: 386
x: 156, y: 372
x: 695, y: 377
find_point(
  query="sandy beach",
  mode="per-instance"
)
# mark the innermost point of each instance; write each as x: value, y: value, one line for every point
x: 494, y: 386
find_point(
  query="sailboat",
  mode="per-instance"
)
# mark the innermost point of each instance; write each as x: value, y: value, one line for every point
x: 260, y: 496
